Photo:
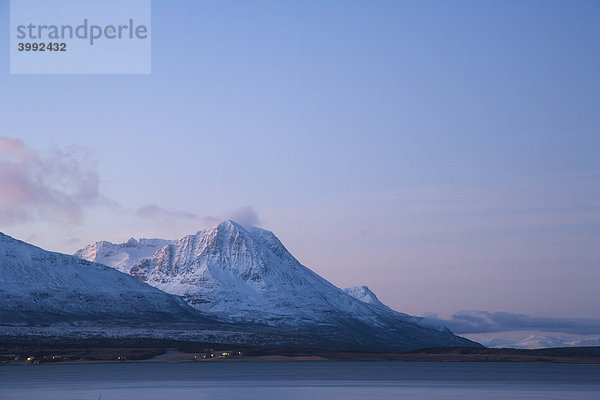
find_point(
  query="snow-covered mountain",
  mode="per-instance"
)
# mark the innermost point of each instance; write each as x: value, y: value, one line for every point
x: 539, y: 342
x: 122, y: 256
x: 543, y: 341
x: 239, y: 273
x: 246, y: 274
x: 41, y: 287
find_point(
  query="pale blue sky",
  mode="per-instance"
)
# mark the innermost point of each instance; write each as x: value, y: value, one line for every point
x: 446, y: 154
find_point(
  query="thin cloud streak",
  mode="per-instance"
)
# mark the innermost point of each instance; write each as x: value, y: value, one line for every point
x: 154, y: 211
x: 487, y: 322
x: 246, y: 216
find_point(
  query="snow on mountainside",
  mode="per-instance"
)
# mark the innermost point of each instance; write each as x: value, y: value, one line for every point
x: 37, y: 286
x: 121, y: 256
x: 539, y: 342
x: 543, y: 342
x: 365, y: 295
x: 246, y: 274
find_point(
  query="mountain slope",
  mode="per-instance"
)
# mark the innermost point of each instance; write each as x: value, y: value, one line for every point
x: 246, y: 274
x: 365, y: 295
x: 41, y: 287
x: 122, y: 256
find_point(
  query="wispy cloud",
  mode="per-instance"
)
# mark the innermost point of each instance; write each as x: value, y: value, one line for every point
x: 485, y: 322
x: 154, y: 211
x: 57, y: 186
x: 244, y: 215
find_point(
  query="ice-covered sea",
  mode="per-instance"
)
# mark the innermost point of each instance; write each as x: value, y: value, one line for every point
x: 300, y: 380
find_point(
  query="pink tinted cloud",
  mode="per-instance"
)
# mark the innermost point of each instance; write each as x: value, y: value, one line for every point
x: 57, y: 186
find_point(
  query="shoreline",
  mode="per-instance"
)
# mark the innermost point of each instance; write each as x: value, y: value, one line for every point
x: 174, y: 355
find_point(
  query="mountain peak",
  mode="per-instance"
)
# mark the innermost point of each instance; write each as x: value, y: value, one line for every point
x: 132, y: 242
x: 243, y: 273
x: 229, y: 225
